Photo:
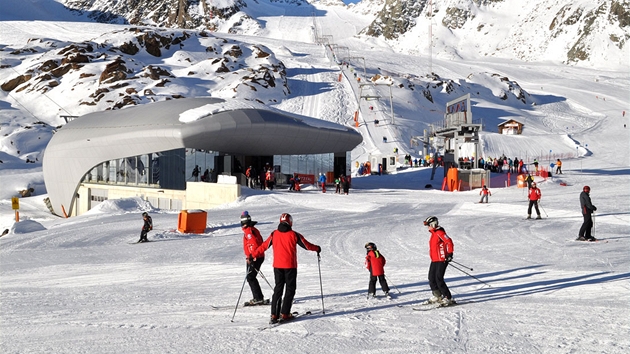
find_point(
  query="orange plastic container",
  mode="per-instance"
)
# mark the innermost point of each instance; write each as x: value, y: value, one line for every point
x: 452, y: 179
x: 520, y: 181
x: 192, y: 221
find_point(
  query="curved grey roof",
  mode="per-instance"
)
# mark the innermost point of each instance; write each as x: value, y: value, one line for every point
x: 228, y: 126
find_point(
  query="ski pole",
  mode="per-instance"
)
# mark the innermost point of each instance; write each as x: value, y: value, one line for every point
x: 472, y: 276
x: 263, y: 276
x: 462, y: 265
x: 241, y: 293
x: 389, y: 281
x: 541, y: 207
x: 321, y: 287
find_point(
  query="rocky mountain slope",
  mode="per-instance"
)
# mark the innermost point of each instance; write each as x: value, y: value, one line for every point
x: 570, y: 31
x: 583, y: 32
x: 139, y: 65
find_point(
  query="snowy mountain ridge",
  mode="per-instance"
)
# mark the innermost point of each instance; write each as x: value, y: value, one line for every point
x: 592, y: 33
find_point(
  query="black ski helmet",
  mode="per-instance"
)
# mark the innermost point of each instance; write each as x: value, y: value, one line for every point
x: 431, y: 221
x: 370, y: 246
x: 245, y: 218
x: 145, y: 214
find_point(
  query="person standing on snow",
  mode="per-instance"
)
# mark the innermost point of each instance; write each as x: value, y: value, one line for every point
x: 345, y: 184
x: 251, y: 241
x: 284, y: 242
x: 484, y: 194
x: 529, y: 179
x: 441, y: 252
x: 534, y: 195
x: 587, y: 210
x: 322, y: 181
x: 148, y: 226
x: 558, y: 167
x: 375, y: 263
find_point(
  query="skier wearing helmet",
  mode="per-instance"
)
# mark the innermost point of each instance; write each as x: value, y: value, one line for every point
x: 587, y: 210
x: 148, y: 226
x: 251, y: 240
x: 284, y: 241
x: 534, y: 196
x: 441, y: 252
x: 375, y: 263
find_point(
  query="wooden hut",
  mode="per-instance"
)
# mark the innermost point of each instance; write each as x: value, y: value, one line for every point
x: 511, y: 127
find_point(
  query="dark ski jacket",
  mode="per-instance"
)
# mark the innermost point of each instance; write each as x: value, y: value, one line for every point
x: 148, y: 223
x: 585, y: 204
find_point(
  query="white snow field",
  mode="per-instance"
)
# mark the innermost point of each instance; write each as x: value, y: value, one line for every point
x: 77, y: 285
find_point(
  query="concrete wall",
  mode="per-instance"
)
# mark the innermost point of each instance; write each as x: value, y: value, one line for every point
x: 198, y: 195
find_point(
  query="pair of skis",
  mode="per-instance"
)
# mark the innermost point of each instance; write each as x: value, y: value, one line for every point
x: 245, y: 304
x: 379, y: 297
x: 427, y: 306
x: 296, y: 316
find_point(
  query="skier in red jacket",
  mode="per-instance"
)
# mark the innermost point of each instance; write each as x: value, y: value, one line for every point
x: 284, y: 241
x: 484, y: 193
x: 251, y: 240
x: 534, y: 196
x: 441, y: 252
x: 374, y: 262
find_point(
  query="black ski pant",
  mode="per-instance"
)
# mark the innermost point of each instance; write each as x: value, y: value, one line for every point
x: 533, y: 203
x: 284, y: 277
x: 251, y: 278
x: 436, y: 278
x: 143, y: 235
x: 381, y: 280
x: 587, y: 226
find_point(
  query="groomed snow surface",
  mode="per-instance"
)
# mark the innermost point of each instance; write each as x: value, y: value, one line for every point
x: 78, y: 285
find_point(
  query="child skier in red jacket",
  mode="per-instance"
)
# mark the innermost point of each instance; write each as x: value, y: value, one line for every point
x: 375, y: 262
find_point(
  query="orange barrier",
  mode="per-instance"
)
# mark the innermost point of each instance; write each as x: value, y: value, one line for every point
x: 520, y: 181
x: 452, y: 177
x: 192, y: 221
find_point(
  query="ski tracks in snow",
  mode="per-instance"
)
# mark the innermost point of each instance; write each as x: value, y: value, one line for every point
x: 461, y: 331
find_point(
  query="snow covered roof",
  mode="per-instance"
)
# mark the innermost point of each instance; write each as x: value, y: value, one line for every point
x: 511, y: 120
x: 234, y: 127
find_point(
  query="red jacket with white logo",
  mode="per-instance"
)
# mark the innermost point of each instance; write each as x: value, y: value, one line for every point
x: 534, y: 193
x: 285, y: 241
x: 374, y: 262
x: 251, y: 240
x: 439, y: 245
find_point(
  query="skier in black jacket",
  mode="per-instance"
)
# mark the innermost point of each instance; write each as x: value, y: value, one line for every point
x: 148, y: 226
x: 587, y: 210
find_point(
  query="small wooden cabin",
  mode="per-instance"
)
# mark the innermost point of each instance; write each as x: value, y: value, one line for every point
x: 511, y: 127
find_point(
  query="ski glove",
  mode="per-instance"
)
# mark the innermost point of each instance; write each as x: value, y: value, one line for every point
x: 319, y: 250
x: 250, y: 259
x: 449, y: 257
x: 594, y: 208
